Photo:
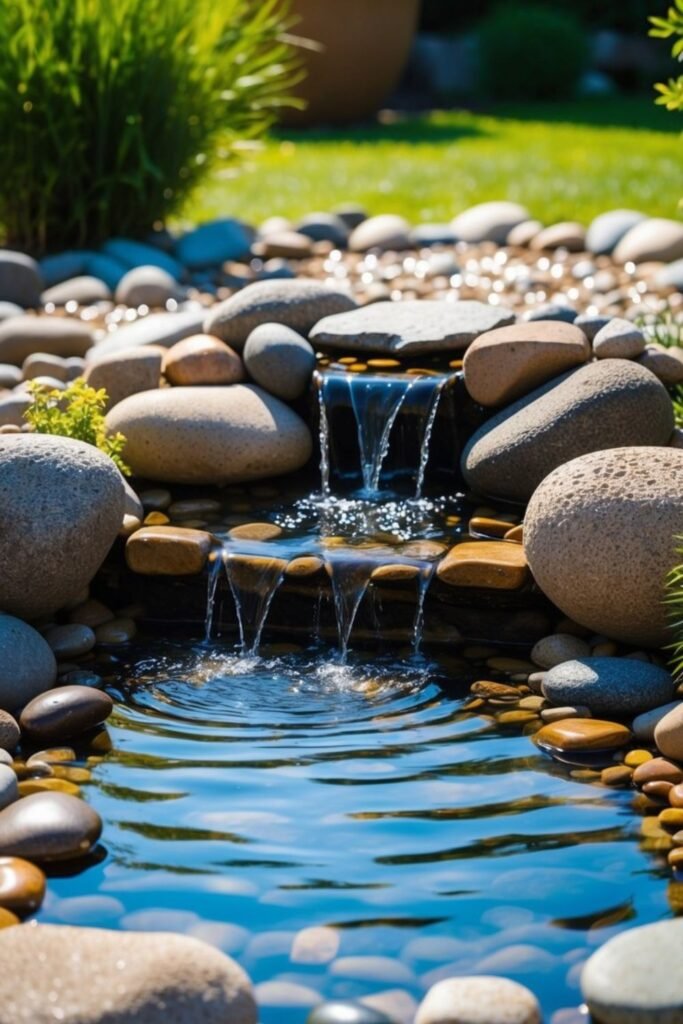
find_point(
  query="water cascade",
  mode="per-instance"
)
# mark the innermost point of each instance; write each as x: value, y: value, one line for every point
x: 254, y: 579
x: 349, y: 578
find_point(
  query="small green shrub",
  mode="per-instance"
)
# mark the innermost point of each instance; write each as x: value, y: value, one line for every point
x: 674, y: 601
x: 76, y: 412
x: 671, y: 92
x: 112, y: 111
x: 530, y: 53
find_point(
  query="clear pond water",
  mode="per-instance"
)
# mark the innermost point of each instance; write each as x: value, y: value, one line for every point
x: 248, y: 798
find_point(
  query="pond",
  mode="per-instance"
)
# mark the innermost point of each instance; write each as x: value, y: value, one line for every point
x: 248, y: 798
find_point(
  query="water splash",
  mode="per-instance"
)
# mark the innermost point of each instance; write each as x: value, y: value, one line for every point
x: 376, y: 402
x: 424, y: 578
x: 324, y: 443
x: 349, y: 578
x: 253, y: 580
x: 214, y: 574
x: 427, y: 435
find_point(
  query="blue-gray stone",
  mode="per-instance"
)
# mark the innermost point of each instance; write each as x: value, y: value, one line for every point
x: 20, y: 279
x: 671, y: 276
x: 137, y: 254
x: 324, y: 227
x: 107, y: 268
x: 622, y: 687
x: 607, y: 230
x: 63, y: 265
x: 552, y: 311
x: 426, y: 235
x: 591, y: 323
x: 213, y: 243
x: 346, y: 1012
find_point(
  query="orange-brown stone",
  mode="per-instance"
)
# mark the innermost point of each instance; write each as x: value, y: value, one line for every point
x: 495, y: 564
x: 168, y: 551
x: 578, y: 734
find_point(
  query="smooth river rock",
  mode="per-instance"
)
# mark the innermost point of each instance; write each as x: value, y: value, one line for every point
x: 607, y: 230
x: 636, y: 977
x: 9, y: 732
x: 580, y: 735
x: 298, y: 303
x: 479, y: 999
x: 410, y: 326
x: 654, y: 239
x: 48, y: 826
x: 126, y: 371
x: 210, y: 435
x: 609, y: 686
x: 27, y: 664
x: 502, y: 365
x: 9, y: 787
x: 22, y: 885
x: 612, y: 403
x: 64, y: 713
x: 21, y: 336
x: 20, y: 279
x: 489, y: 222
x: 669, y: 734
x: 280, y: 360
x: 93, y: 976
x: 163, y: 329
x: 201, y: 359
x: 599, y: 537
x: 384, y: 231
x: 61, y: 505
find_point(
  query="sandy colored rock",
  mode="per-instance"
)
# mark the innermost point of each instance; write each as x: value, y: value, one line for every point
x: 495, y: 564
x: 669, y: 734
x: 304, y: 565
x: 202, y: 359
x: 568, y: 235
x: 635, y: 977
x: 502, y: 365
x: 139, y: 977
x: 84, y: 289
x: 582, y: 734
x: 58, y: 336
x: 479, y: 999
x: 523, y: 233
x: 210, y: 435
x: 665, y: 363
x: 384, y: 231
x: 168, y: 551
x: 298, y: 303
x: 607, y: 229
x: 613, y: 403
x: 489, y: 222
x: 27, y: 665
x: 256, y: 531
x: 599, y: 536
x: 644, y: 725
x: 9, y: 732
x: 159, y: 329
x: 653, y: 239
x: 61, y: 505
x: 147, y: 286
x: 126, y: 372
x: 618, y: 339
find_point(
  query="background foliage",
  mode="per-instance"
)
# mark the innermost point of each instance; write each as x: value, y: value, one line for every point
x: 112, y: 111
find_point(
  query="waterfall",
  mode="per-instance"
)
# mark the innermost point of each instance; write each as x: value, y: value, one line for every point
x: 376, y: 403
x: 254, y: 580
x: 427, y: 435
x: 349, y: 577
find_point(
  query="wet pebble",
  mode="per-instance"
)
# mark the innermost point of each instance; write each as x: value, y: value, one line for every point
x: 9, y: 786
x: 345, y: 1012
x: 64, y: 712
x: 22, y: 885
x: 116, y: 631
x: 557, y: 648
x: 91, y: 613
x: 609, y: 686
x: 583, y: 734
x: 48, y: 826
x: 318, y: 945
x: 658, y: 769
x: 70, y: 641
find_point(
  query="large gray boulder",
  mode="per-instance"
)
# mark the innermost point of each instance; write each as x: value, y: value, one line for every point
x: 61, y: 505
x: 609, y: 404
x: 210, y: 435
x: 27, y: 664
x: 297, y: 303
x: 600, y: 537
x: 93, y: 976
x: 162, y: 329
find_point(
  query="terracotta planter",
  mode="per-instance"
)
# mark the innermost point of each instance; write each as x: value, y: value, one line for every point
x: 366, y: 44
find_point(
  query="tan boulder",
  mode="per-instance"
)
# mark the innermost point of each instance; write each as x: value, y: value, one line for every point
x: 505, y: 364
x: 653, y: 239
x: 600, y: 536
x: 21, y: 336
x: 126, y: 372
x: 202, y: 359
x: 568, y: 235
x: 168, y: 551
x: 87, y: 975
x: 210, y: 435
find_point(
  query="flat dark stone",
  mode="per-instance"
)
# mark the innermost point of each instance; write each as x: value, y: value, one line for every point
x: 64, y: 712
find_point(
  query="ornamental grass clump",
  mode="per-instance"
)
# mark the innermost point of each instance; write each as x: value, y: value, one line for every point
x: 77, y: 412
x: 112, y: 112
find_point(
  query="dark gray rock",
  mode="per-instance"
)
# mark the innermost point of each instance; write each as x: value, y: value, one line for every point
x: 591, y: 323
x: 409, y: 327
x: 607, y: 230
x: 280, y: 360
x: 20, y: 279
x: 621, y: 687
x: 27, y: 664
x: 298, y: 304
x: 613, y: 403
x: 324, y: 227
x: 65, y: 712
x: 552, y: 311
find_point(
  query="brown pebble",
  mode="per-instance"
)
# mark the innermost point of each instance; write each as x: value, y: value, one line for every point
x: 617, y: 775
x: 671, y: 817
x: 658, y: 790
x: 304, y: 565
x: 676, y: 795
x: 635, y: 758
x: 256, y: 531
x: 22, y: 885
x: 583, y: 734
x: 675, y: 857
x: 7, y: 918
x: 487, y: 689
x: 656, y: 770
x: 516, y: 717
x: 116, y: 631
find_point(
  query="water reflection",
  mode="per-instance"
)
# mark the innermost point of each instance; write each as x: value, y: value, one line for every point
x: 249, y: 798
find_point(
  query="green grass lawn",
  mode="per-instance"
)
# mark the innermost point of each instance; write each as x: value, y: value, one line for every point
x: 564, y: 161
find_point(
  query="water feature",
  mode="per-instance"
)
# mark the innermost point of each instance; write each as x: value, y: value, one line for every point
x: 254, y: 576
x: 248, y: 798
